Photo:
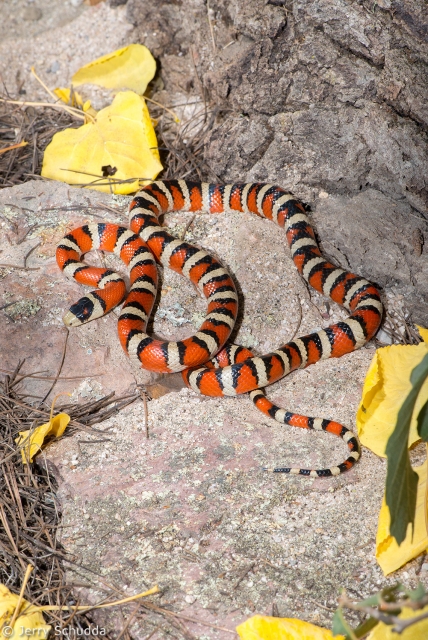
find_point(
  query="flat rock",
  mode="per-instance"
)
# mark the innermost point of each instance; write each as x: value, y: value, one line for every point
x: 190, y: 508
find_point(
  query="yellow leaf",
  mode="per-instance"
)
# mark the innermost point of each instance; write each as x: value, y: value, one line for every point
x: 129, y: 68
x: 389, y: 555
x: 423, y: 333
x: 417, y: 631
x: 122, y: 136
x: 55, y: 427
x: 74, y: 99
x: 89, y: 111
x: 386, y: 387
x: 28, y: 623
x: 269, y: 628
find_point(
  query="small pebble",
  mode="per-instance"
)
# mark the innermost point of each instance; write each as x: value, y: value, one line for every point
x: 384, y: 337
x: 32, y: 14
x: 54, y: 67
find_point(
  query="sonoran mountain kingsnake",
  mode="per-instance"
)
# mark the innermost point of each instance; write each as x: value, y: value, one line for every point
x: 207, y: 366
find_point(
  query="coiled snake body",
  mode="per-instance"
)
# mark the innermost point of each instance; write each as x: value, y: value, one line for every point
x: 207, y: 365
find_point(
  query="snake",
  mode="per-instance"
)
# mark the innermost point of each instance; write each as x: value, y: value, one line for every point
x: 209, y: 364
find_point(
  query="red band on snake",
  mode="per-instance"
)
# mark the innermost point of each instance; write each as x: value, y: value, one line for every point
x: 233, y: 370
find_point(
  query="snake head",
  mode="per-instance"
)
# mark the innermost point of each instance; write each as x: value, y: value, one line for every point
x: 83, y: 311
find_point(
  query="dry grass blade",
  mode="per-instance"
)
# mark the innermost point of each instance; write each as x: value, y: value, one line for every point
x: 182, y: 145
x: 34, y: 126
x: 400, y: 327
